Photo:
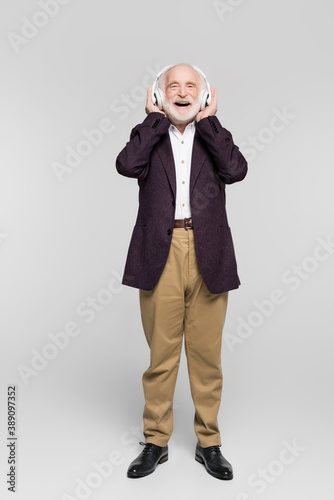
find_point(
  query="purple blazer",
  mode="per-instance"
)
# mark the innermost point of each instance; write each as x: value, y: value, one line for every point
x: 216, y: 161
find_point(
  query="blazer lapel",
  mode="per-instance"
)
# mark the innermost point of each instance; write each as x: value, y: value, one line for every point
x: 165, y: 152
x: 199, y: 154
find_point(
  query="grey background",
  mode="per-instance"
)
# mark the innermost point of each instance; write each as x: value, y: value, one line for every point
x: 65, y: 241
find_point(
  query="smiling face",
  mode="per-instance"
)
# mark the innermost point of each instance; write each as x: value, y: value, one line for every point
x: 182, y: 91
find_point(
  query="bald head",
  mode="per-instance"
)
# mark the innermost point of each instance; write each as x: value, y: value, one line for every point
x: 181, y: 70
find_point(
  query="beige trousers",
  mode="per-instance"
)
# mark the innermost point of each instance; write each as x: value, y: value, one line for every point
x: 180, y: 302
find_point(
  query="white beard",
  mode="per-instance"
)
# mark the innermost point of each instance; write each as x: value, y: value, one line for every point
x: 178, y: 114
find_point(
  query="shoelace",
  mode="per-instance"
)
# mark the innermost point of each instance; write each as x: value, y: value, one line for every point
x: 216, y: 448
x: 148, y: 447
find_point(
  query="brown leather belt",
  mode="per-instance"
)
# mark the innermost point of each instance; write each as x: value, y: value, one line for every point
x: 185, y: 223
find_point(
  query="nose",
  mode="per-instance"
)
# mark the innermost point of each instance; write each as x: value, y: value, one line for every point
x: 182, y: 91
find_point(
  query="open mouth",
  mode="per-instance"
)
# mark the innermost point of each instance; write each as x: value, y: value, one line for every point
x: 182, y: 104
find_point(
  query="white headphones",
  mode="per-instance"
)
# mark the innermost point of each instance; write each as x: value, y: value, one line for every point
x: 157, y: 95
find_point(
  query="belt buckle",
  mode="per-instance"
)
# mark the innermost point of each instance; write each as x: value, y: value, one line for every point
x: 186, y: 221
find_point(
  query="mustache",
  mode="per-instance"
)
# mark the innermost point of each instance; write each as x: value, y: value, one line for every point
x: 188, y: 100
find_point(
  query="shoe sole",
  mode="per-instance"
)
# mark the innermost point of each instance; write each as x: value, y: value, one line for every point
x: 133, y: 475
x: 199, y: 459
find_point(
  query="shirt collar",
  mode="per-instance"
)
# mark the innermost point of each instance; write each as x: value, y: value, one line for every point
x: 191, y: 126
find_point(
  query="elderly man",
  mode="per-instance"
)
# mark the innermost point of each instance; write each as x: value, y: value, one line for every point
x: 181, y: 257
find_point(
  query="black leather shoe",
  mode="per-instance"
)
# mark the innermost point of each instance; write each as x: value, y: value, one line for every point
x: 214, y: 462
x: 147, y: 461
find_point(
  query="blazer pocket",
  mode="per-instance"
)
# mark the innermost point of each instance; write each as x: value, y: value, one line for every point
x: 225, y: 234
x: 136, y: 252
x: 227, y: 258
x: 224, y: 229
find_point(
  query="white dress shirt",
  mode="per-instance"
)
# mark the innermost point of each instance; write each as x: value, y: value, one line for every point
x: 182, y: 145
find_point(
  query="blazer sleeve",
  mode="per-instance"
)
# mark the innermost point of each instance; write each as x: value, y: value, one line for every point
x: 134, y: 159
x: 230, y: 163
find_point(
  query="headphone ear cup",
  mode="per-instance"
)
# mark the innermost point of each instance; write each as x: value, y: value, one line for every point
x: 204, y: 97
x: 156, y: 96
x: 208, y: 99
x: 159, y: 97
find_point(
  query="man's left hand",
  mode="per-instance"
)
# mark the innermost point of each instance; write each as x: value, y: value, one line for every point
x: 211, y: 109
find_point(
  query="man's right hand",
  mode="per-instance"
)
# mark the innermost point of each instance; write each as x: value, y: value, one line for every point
x: 150, y: 106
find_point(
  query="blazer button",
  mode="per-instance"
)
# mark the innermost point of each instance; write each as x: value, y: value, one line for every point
x: 173, y: 203
x: 169, y: 231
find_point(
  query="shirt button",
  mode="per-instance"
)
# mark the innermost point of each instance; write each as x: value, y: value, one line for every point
x: 182, y: 142
x: 182, y: 161
x: 183, y: 204
x: 183, y: 182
